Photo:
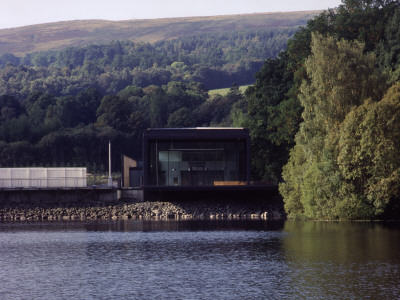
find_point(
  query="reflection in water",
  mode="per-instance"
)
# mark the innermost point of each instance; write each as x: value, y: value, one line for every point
x: 185, y: 225
x: 218, y: 259
x: 344, y: 260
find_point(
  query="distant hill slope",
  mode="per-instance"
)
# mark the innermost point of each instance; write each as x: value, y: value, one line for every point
x: 22, y: 40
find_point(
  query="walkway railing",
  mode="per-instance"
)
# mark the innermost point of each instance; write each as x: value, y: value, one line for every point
x: 91, y: 180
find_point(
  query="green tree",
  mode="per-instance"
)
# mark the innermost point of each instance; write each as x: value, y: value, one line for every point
x: 313, y: 183
x: 260, y: 114
x: 158, y: 106
x: 89, y: 99
x: 369, y: 156
x: 16, y: 129
x: 67, y: 112
x: 114, y: 112
x: 55, y: 147
x: 10, y: 108
x: 131, y: 91
x: 36, y: 106
x: 388, y: 49
x: 181, y: 118
x: 21, y: 153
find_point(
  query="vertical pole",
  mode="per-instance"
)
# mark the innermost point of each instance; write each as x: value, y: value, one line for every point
x: 248, y: 159
x: 123, y: 172
x: 109, y: 164
x: 157, y: 161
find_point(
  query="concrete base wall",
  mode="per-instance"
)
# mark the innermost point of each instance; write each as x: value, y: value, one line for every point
x: 229, y: 195
x: 136, y: 194
x: 93, y: 195
x: 55, y: 196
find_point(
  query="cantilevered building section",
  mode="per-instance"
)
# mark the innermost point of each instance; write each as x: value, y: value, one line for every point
x: 196, y: 157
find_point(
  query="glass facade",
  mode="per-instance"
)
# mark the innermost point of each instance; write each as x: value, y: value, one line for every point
x: 196, y: 162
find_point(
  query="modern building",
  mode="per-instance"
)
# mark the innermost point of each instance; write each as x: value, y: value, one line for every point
x: 194, y: 164
x: 190, y: 158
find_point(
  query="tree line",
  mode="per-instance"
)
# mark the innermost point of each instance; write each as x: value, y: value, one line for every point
x: 61, y: 107
x: 216, y: 60
x: 323, y: 116
x: 57, y: 131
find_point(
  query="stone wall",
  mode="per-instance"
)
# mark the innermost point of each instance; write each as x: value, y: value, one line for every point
x: 131, y: 209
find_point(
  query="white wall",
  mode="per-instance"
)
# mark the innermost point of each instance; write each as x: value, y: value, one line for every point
x: 42, y: 177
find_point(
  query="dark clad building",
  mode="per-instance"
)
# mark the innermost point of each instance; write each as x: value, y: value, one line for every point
x: 196, y: 157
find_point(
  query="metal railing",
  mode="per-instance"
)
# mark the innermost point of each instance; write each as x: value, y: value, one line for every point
x: 91, y: 180
x: 43, y: 182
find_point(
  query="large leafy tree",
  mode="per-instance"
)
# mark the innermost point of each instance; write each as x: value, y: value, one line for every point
x: 216, y: 110
x: 118, y: 113
x: 260, y: 113
x: 273, y: 114
x: 369, y: 156
x: 313, y: 184
x: 158, y: 106
x: 89, y: 99
x: 181, y: 118
x: 10, y: 107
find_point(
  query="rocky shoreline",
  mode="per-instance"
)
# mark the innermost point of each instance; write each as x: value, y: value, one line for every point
x: 130, y: 209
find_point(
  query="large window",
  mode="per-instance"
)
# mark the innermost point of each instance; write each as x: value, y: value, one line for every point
x: 196, y: 163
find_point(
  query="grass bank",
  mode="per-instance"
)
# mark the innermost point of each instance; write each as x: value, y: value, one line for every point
x: 224, y: 92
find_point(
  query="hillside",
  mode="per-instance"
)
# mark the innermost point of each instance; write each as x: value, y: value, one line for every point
x: 22, y: 40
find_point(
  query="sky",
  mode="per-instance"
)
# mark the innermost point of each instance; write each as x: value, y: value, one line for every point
x: 15, y: 13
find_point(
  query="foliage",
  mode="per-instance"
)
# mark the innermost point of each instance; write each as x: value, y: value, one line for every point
x: 51, y: 100
x: 76, y: 130
x: 181, y: 118
x: 260, y: 114
x: 217, y: 60
x: 333, y: 170
x: 369, y: 154
x: 216, y: 110
x: 302, y: 97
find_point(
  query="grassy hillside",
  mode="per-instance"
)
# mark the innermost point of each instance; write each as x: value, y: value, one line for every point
x: 22, y: 40
x: 224, y: 92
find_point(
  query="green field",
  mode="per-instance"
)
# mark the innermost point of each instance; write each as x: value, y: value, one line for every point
x: 225, y: 91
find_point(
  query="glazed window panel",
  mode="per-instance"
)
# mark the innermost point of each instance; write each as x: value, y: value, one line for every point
x: 196, y: 163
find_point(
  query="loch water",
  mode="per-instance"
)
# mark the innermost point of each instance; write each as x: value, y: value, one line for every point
x: 199, y: 259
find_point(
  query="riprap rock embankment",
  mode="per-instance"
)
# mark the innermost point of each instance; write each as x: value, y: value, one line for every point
x: 144, y: 210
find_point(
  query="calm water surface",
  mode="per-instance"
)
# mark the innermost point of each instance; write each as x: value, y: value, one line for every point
x: 199, y: 260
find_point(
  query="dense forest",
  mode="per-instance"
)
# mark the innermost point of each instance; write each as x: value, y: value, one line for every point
x: 327, y: 110
x: 217, y: 60
x: 61, y: 107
